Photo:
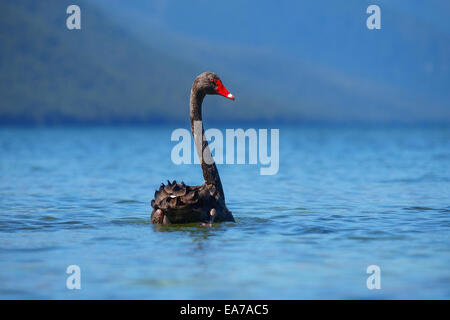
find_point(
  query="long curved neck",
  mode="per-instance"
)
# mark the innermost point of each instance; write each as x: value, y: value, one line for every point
x: 210, y: 172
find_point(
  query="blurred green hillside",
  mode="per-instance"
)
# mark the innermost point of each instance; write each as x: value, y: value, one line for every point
x: 99, y: 74
x: 134, y: 61
x: 317, y: 58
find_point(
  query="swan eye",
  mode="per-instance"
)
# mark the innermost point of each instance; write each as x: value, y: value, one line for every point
x: 212, y: 80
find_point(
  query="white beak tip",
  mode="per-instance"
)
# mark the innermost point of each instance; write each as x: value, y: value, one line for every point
x: 230, y: 96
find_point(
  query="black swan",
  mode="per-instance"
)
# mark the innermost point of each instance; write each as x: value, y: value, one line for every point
x: 178, y: 203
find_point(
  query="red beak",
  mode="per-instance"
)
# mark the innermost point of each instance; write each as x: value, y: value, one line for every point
x: 222, y: 90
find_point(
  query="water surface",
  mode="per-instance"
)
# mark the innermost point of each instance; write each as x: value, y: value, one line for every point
x: 343, y: 199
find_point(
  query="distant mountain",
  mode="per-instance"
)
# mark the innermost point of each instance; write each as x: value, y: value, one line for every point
x: 99, y: 74
x: 318, y: 57
x: 134, y: 61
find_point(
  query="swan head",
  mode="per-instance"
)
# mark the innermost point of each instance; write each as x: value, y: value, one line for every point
x: 210, y: 83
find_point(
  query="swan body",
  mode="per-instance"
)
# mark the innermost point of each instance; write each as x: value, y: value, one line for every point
x: 179, y: 203
x: 176, y: 203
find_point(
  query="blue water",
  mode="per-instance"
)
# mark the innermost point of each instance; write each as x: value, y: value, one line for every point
x: 343, y: 199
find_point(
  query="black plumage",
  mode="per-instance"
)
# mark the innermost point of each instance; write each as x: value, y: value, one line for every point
x: 178, y: 203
